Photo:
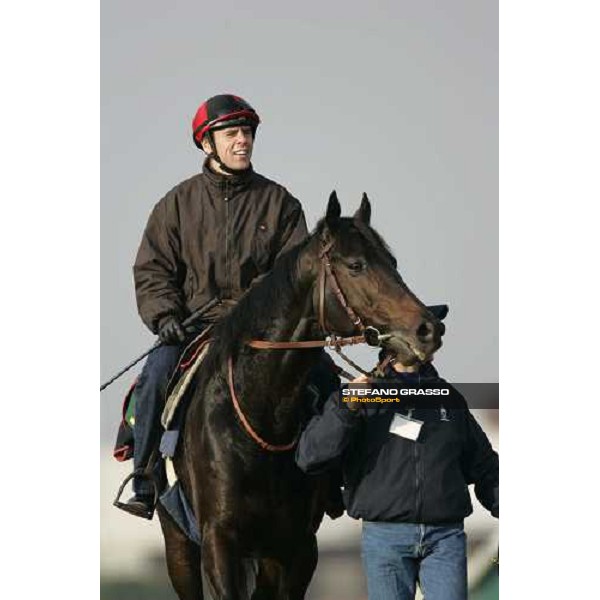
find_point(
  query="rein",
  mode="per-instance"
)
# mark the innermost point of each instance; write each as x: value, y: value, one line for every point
x: 331, y: 342
x: 246, y: 424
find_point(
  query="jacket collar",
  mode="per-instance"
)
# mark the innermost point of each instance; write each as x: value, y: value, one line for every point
x: 230, y: 182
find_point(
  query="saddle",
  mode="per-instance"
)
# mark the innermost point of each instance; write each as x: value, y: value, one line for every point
x: 186, y: 368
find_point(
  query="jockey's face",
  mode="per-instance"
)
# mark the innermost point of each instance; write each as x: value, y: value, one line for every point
x: 234, y: 147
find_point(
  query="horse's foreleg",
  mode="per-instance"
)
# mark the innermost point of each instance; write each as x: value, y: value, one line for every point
x: 269, y: 580
x: 300, y: 567
x: 183, y: 559
x: 226, y: 577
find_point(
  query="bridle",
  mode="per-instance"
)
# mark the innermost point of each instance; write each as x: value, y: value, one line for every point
x: 327, y: 271
x: 369, y: 335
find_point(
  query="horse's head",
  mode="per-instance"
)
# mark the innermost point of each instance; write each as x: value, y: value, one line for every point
x: 353, y: 254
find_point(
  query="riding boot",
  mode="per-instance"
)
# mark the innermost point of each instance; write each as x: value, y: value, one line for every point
x: 140, y: 506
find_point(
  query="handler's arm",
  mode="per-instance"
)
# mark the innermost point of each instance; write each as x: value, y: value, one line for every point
x: 326, y: 436
x: 482, y: 466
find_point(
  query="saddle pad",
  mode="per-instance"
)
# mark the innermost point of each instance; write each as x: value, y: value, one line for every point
x: 181, y: 385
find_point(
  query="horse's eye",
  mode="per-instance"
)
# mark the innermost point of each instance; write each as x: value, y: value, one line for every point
x: 357, y: 266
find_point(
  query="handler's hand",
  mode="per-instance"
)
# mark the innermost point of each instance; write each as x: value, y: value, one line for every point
x: 171, y: 331
x: 355, y: 406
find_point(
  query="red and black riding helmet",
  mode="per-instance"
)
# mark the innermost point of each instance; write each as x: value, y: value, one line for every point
x: 219, y: 112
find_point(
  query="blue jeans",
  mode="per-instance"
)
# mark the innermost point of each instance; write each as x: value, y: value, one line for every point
x: 397, y: 555
x: 150, y: 400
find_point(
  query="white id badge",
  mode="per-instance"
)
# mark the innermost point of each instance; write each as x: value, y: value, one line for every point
x: 405, y: 427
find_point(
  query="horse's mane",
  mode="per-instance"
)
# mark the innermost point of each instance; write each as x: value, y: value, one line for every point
x: 271, y: 297
x: 257, y: 308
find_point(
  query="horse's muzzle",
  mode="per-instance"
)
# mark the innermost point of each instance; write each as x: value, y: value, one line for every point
x: 418, y: 347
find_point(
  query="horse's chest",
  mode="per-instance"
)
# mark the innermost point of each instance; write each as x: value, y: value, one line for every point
x: 268, y: 487
x: 270, y: 493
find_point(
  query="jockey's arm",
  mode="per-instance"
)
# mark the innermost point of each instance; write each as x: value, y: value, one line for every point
x: 157, y: 270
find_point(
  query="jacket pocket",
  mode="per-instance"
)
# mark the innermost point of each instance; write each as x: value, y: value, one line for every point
x: 261, y: 249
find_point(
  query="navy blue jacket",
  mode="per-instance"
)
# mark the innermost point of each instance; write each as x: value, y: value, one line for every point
x: 390, y: 478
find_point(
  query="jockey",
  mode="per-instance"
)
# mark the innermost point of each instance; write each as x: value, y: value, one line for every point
x: 211, y: 236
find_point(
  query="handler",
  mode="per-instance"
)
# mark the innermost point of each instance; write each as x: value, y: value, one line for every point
x: 409, y: 485
x: 212, y: 235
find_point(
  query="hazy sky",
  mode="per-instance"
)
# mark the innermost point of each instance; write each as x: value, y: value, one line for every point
x: 398, y: 99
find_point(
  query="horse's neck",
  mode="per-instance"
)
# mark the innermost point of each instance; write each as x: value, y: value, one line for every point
x: 286, y: 368
x: 283, y: 368
x: 274, y: 380
x: 293, y: 322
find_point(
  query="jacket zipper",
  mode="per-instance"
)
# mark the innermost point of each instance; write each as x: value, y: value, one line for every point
x: 227, y: 274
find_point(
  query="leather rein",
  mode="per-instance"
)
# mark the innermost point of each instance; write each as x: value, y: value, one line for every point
x: 370, y: 335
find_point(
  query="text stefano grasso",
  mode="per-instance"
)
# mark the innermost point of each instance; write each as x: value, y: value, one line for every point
x: 396, y: 392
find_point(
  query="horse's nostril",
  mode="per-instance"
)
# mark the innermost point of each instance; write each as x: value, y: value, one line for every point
x: 425, y: 331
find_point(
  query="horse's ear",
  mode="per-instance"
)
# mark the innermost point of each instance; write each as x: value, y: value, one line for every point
x: 334, y: 211
x: 364, y: 212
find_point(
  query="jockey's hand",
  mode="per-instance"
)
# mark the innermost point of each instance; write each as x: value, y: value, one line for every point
x: 171, y: 331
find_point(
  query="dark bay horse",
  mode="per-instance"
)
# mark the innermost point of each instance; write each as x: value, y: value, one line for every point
x: 257, y: 512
